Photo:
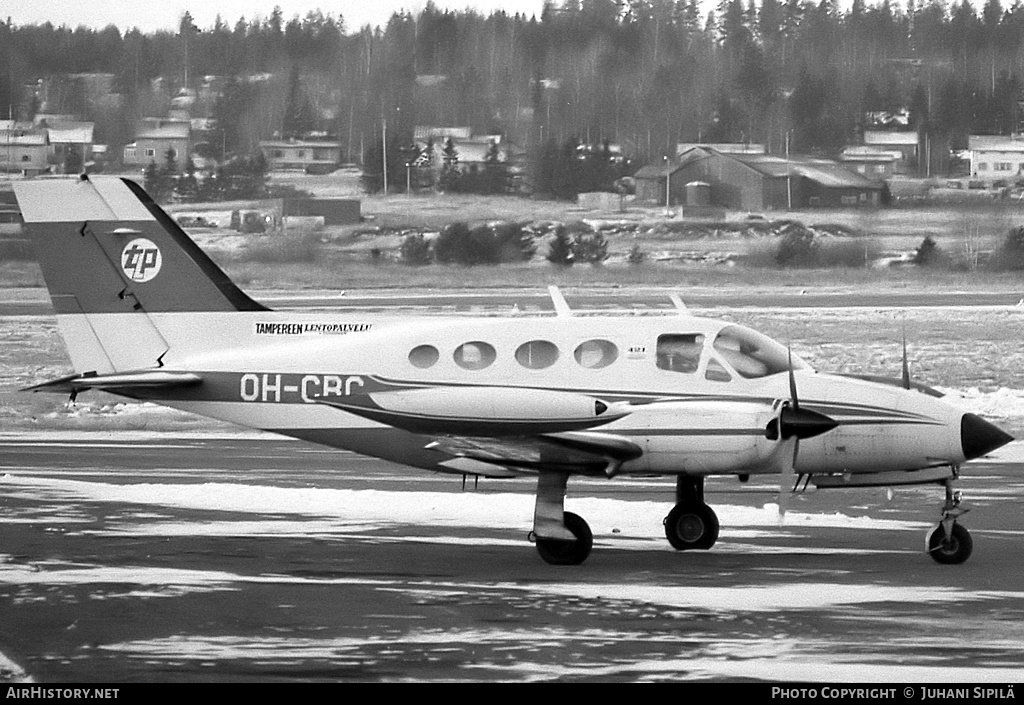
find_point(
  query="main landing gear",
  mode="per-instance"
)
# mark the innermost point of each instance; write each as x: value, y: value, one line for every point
x: 948, y: 542
x: 692, y: 524
x: 562, y: 538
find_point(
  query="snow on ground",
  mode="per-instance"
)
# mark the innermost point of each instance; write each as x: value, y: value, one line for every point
x: 345, y: 510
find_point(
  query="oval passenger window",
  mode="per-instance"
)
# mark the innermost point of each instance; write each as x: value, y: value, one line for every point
x: 537, y: 354
x: 475, y: 355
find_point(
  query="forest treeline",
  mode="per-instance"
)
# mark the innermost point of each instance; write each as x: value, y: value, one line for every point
x: 643, y: 74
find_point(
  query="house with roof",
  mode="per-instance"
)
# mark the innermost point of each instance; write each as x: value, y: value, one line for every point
x: 755, y: 182
x: 723, y: 147
x: 310, y: 156
x: 71, y: 143
x: 155, y: 137
x: 904, y: 142
x: 995, y: 157
x: 871, y: 162
x: 23, y: 148
x: 471, y: 150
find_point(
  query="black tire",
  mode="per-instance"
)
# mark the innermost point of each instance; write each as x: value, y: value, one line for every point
x: 558, y: 552
x: 951, y: 550
x: 691, y: 527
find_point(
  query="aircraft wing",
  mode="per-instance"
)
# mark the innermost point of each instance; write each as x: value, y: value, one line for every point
x: 139, y: 379
x: 580, y: 452
x: 503, y: 430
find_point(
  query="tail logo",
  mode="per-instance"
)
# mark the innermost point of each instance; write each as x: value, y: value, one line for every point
x: 141, y: 260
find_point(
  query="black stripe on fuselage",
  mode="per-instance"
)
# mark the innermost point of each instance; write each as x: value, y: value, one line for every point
x: 309, y: 388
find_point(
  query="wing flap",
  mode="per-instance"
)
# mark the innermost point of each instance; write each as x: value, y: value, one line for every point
x: 581, y: 452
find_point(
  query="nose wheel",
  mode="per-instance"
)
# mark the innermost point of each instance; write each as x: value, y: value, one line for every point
x: 948, y: 542
x: 692, y: 524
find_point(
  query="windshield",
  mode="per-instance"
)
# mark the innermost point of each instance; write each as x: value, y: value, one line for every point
x: 752, y: 354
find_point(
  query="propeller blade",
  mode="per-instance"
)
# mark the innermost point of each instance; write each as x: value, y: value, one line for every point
x: 792, y: 381
x: 787, y: 478
x: 906, y: 365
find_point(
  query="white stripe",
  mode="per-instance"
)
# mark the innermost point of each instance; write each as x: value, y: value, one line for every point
x: 271, y: 416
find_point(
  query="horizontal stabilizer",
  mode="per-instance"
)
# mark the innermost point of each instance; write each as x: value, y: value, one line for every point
x: 140, y: 379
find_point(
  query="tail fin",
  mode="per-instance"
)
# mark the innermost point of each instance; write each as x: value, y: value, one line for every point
x: 105, y: 243
x: 111, y: 257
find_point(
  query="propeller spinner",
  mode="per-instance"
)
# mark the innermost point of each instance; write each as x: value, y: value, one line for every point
x: 792, y: 424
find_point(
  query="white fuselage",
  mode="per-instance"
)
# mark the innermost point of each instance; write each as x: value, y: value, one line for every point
x: 699, y: 416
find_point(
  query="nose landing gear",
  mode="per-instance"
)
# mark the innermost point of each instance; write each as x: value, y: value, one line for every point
x: 691, y: 524
x: 948, y: 542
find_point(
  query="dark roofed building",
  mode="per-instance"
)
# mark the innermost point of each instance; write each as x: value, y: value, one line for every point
x: 756, y: 182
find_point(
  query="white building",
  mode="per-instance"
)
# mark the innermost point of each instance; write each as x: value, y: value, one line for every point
x: 995, y: 157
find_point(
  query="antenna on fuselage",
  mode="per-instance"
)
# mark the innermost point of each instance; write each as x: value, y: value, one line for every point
x: 677, y: 301
x: 559, y: 302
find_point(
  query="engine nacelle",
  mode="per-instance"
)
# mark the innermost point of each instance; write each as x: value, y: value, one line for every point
x: 704, y: 438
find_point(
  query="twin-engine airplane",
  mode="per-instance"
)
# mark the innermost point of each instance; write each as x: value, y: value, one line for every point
x: 146, y: 314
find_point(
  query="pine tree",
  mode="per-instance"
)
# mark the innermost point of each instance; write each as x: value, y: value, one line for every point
x: 450, y: 175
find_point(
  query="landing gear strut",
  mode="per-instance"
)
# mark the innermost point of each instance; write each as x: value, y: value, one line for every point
x: 948, y: 542
x: 562, y: 538
x: 692, y: 524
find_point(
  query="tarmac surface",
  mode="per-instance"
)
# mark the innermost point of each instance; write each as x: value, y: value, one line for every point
x: 133, y: 557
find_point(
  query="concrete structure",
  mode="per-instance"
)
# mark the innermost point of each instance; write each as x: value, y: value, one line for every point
x: 311, y: 156
x: 996, y: 157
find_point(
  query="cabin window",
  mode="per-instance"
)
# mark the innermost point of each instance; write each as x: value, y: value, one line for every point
x: 424, y: 356
x: 475, y: 355
x: 595, y: 354
x: 680, y: 353
x: 537, y: 354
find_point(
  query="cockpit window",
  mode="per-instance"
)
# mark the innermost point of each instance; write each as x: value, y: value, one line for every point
x: 680, y: 352
x: 751, y: 354
x: 716, y: 373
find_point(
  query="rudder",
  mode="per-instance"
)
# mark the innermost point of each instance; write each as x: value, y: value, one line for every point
x: 111, y: 257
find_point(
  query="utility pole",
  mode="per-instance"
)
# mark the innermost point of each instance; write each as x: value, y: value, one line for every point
x: 668, y: 184
x: 384, y: 152
x: 789, y: 176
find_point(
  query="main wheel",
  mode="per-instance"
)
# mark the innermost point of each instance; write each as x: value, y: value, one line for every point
x: 559, y: 552
x: 953, y: 549
x: 691, y: 526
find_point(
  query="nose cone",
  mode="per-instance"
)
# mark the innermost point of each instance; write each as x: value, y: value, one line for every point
x: 978, y: 436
